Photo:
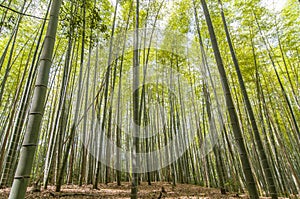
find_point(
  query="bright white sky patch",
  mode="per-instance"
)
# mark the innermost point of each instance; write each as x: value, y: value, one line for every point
x: 276, y: 5
x: 113, y: 2
x: 279, y: 4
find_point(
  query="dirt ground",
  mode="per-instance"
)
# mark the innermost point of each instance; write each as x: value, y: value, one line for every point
x: 112, y: 190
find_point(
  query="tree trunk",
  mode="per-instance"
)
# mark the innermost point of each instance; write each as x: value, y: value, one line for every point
x: 258, y: 140
x: 135, y: 97
x: 36, y: 112
x: 231, y: 108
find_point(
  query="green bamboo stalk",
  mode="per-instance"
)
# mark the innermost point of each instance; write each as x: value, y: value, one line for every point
x: 22, y: 174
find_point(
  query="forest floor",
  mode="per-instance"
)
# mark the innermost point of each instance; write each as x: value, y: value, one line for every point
x: 112, y: 190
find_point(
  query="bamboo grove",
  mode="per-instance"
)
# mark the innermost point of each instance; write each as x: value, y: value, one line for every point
x: 209, y: 88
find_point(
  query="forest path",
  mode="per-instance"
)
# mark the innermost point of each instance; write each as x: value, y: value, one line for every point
x: 112, y: 190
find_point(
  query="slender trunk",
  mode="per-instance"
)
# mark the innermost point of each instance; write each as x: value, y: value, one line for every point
x: 258, y: 140
x: 9, y: 64
x: 135, y: 98
x: 36, y: 112
x: 295, y: 124
x: 83, y: 147
x: 250, y: 182
x: 76, y: 116
x: 119, y: 120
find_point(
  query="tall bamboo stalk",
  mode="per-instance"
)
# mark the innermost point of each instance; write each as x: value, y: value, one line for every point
x: 36, y: 112
x: 250, y: 182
